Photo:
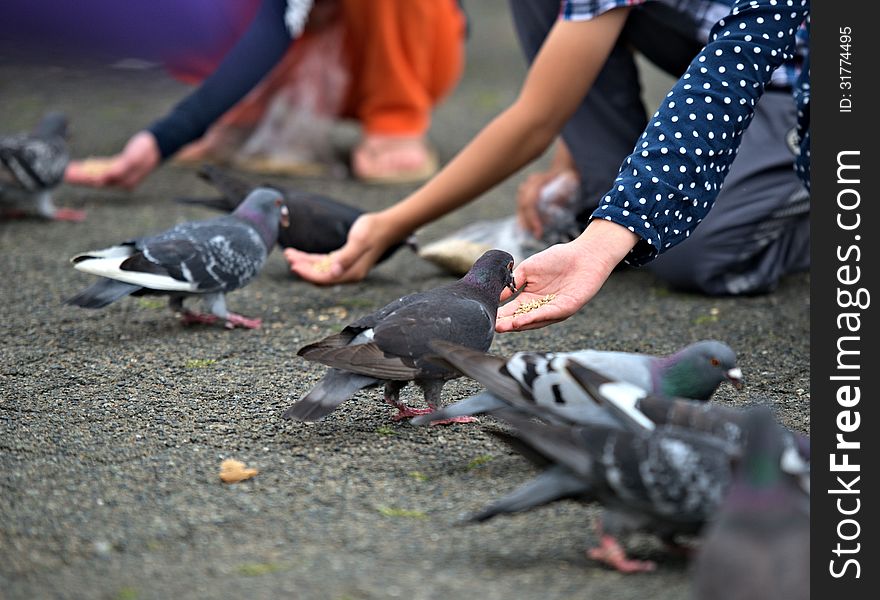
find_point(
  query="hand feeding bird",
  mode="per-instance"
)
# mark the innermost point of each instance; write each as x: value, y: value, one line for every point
x: 32, y: 165
x: 319, y: 224
x: 533, y: 378
x: 390, y: 345
x: 206, y: 259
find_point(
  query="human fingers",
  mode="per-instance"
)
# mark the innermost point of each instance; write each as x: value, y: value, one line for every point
x: 91, y: 171
x: 517, y: 320
x: 527, y: 214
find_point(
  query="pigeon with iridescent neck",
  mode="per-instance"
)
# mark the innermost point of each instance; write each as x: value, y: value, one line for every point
x: 391, y: 345
x: 758, y: 546
x: 206, y: 259
x: 535, y: 378
x: 664, y: 480
x: 621, y: 405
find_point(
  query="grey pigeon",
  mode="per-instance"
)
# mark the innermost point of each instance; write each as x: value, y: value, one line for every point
x: 534, y: 378
x: 665, y: 480
x: 198, y: 258
x: 758, y: 546
x: 32, y: 165
x: 627, y: 402
x: 390, y: 345
x: 319, y: 224
x: 626, y: 406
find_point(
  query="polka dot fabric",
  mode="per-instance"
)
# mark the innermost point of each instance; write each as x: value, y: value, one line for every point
x: 802, y: 100
x: 669, y: 182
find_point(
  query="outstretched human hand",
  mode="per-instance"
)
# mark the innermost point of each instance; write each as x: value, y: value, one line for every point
x: 368, y: 239
x: 528, y: 194
x: 126, y: 169
x: 564, y: 277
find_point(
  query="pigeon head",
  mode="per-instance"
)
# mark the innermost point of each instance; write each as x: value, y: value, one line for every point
x: 697, y: 370
x: 764, y: 444
x: 264, y: 208
x: 53, y: 124
x: 492, y: 272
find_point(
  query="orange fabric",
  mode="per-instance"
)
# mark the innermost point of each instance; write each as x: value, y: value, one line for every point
x: 404, y: 57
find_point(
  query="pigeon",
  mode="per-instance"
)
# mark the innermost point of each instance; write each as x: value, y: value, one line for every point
x: 319, y: 224
x: 628, y: 403
x: 390, y: 345
x: 662, y: 479
x: 626, y: 406
x: 32, y: 165
x: 198, y: 258
x: 533, y: 378
x: 758, y: 546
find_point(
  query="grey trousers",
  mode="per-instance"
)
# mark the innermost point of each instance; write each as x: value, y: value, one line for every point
x: 758, y: 230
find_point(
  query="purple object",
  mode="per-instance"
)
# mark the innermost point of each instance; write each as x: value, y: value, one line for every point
x: 155, y: 30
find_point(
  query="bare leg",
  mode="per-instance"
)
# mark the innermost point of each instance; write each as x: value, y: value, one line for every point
x: 70, y: 215
x: 392, y: 397
x: 234, y: 320
x: 612, y: 554
x: 217, y: 305
x: 431, y: 388
x: 187, y: 317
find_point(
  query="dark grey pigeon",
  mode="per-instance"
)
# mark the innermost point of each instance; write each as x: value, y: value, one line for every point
x: 198, y: 258
x: 534, y: 378
x: 390, y: 345
x: 665, y: 480
x: 32, y: 165
x: 623, y: 405
x: 627, y: 402
x: 758, y: 547
x: 318, y: 224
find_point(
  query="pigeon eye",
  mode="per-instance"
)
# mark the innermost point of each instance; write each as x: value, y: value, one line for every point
x: 715, y: 362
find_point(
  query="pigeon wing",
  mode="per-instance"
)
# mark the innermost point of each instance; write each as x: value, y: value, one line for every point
x: 33, y: 163
x: 216, y: 255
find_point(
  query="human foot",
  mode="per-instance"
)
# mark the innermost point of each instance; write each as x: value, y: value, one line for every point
x: 393, y: 159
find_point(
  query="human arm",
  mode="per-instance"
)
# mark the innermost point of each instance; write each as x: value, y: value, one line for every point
x: 560, y: 76
x: 669, y: 183
x: 672, y: 178
x: 258, y: 50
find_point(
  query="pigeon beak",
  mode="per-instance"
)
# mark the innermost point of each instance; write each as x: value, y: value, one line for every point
x: 285, y: 216
x: 735, y: 375
x: 511, y: 285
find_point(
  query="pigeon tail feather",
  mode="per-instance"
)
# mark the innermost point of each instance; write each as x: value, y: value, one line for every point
x: 102, y: 293
x: 553, y: 484
x: 233, y: 188
x: 336, y: 387
x: 484, y: 402
x: 479, y: 366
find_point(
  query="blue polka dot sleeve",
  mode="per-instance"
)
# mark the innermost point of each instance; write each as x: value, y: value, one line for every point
x: 670, y: 181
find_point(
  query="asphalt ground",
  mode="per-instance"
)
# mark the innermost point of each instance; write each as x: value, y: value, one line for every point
x: 113, y: 423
